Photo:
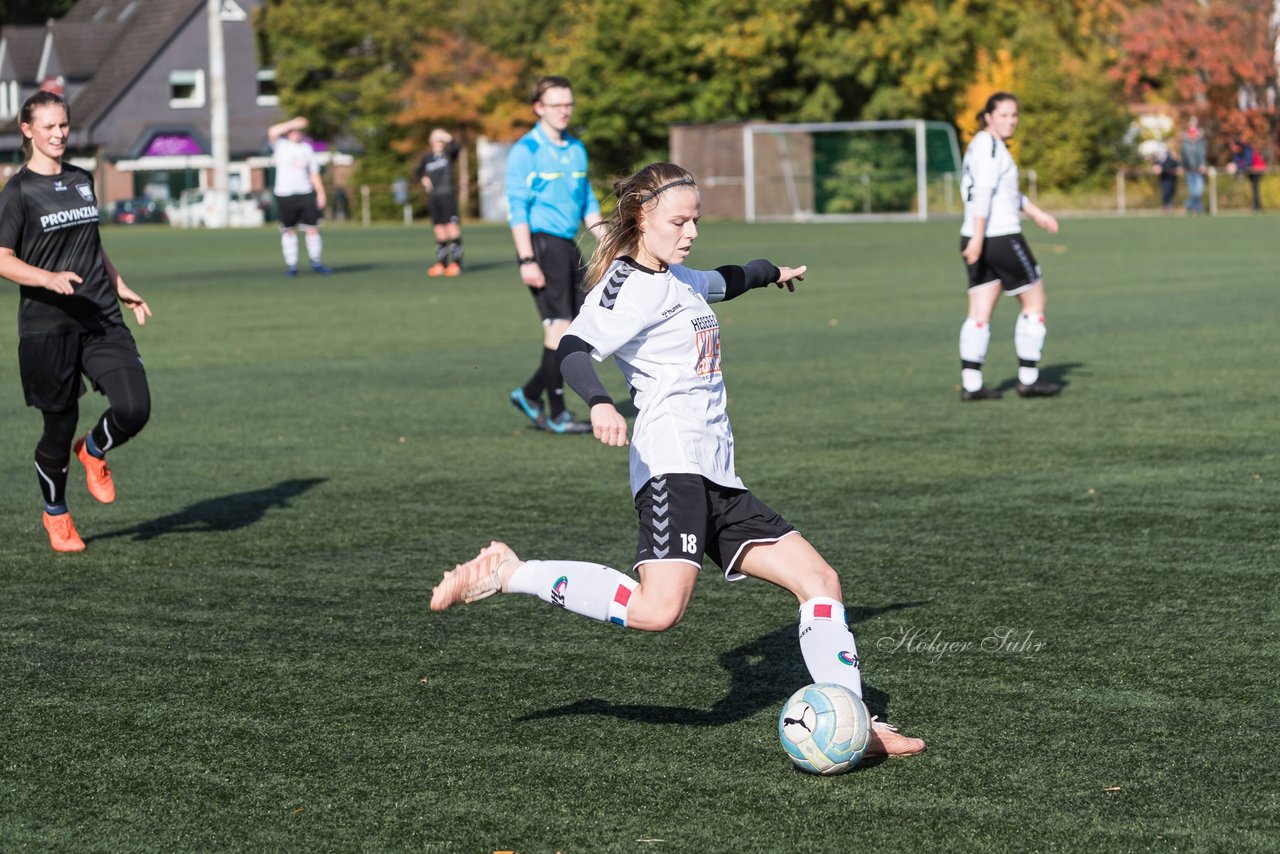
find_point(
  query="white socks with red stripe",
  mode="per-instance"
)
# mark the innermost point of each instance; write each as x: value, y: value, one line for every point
x: 1028, y: 341
x: 975, y: 336
x: 827, y: 644
x: 589, y: 589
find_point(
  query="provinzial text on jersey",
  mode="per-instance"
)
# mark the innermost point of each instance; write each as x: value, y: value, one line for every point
x: 75, y: 216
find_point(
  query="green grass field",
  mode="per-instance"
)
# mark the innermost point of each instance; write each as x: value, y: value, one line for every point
x: 243, y: 658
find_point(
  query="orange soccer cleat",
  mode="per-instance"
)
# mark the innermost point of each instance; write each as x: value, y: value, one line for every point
x: 436, y: 269
x: 96, y: 474
x: 62, y: 533
x: 885, y: 740
x: 454, y: 269
x: 484, y: 575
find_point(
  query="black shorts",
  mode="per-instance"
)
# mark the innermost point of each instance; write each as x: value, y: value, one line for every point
x: 297, y: 210
x: 562, y: 265
x: 444, y: 208
x: 684, y: 516
x: 1007, y: 259
x: 51, y: 365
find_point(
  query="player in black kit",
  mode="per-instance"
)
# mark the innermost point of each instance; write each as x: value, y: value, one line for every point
x: 435, y: 172
x: 69, y: 319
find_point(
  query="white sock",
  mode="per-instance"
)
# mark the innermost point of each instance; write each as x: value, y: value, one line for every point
x: 314, y: 245
x: 289, y: 246
x: 827, y: 644
x: 589, y: 589
x: 975, y: 336
x: 1028, y: 342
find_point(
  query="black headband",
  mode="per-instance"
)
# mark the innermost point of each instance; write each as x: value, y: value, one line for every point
x: 682, y: 182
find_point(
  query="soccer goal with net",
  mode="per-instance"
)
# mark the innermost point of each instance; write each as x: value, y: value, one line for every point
x: 847, y: 171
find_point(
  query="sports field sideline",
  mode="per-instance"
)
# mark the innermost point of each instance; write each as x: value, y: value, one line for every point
x: 1072, y: 600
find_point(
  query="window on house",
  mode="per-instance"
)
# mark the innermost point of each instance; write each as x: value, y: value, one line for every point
x: 7, y: 107
x: 267, y: 94
x: 186, y: 89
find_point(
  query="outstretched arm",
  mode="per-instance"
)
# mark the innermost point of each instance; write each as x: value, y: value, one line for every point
x: 755, y: 274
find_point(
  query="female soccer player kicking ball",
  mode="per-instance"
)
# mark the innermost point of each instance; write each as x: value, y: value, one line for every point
x: 652, y: 314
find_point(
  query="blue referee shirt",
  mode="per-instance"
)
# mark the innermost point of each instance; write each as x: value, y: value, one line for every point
x: 547, y: 185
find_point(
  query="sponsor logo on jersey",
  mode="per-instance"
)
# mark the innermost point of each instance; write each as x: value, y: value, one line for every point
x: 557, y: 591
x: 68, y: 218
x: 847, y: 657
x: 86, y: 192
x: 58, y: 186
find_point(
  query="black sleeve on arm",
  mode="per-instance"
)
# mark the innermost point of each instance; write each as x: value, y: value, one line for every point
x: 576, y: 367
x: 739, y: 280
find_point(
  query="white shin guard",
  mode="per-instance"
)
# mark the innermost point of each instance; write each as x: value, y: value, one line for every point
x: 827, y: 644
x: 589, y: 589
x: 1028, y: 342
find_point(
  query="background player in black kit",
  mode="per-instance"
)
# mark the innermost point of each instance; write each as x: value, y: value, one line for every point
x: 69, y: 319
x: 435, y: 173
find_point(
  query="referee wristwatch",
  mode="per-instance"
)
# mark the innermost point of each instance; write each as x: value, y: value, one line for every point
x: 526, y: 260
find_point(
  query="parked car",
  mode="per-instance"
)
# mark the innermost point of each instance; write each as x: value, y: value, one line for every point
x: 136, y: 212
x: 195, y: 209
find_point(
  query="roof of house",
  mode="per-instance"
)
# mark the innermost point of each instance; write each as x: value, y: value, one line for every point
x: 23, y: 47
x: 107, y: 42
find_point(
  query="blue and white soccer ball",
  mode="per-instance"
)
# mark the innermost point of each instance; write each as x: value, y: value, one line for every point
x: 824, y: 728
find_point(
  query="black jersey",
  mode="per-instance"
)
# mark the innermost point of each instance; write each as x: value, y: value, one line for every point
x: 51, y: 222
x: 438, y: 166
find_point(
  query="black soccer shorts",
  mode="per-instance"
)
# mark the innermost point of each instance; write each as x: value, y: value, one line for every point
x: 297, y: 210
x: 50, y: 365
x: 444, y: 208
x: 685, y: 516
x: 1007, y: 259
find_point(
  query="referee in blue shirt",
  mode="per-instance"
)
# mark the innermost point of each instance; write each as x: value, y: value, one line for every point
x: 548, y: 195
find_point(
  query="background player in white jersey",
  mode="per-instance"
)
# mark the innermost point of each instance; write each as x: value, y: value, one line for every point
x: 997, y: 256
x: 69, y: 319
x: 299, y: 193
x: 653, y: 315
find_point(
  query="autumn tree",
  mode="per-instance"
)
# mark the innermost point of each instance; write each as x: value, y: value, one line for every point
x: 1211, y: 58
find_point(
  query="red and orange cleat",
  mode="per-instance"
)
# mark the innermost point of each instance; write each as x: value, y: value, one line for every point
x: 62, y: 533
x: 96, y: 474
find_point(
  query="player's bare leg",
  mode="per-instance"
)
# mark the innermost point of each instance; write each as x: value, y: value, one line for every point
x: 484, y: 575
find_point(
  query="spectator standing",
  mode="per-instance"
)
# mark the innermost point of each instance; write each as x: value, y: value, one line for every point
x: 1194, y: 165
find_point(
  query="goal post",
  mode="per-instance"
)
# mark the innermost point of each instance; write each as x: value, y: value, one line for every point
x: 849, y: 171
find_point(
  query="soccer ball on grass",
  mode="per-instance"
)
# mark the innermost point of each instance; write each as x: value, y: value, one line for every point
x: 824, y: 728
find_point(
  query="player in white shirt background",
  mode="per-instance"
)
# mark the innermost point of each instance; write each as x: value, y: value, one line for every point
x: 299, y: 192
x: 654, y: 316
x: 997, y: 256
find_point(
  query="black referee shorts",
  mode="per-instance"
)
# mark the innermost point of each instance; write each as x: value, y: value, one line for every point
x: 562, y: 264
x: 1007, y: 259
x: 685, y: 516
x: 51, y: 365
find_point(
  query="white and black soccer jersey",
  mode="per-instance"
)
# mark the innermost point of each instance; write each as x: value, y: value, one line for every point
x: 295, y: 163
x: 989, y: 186
x: 661, y: 331
x: 51, y: 222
